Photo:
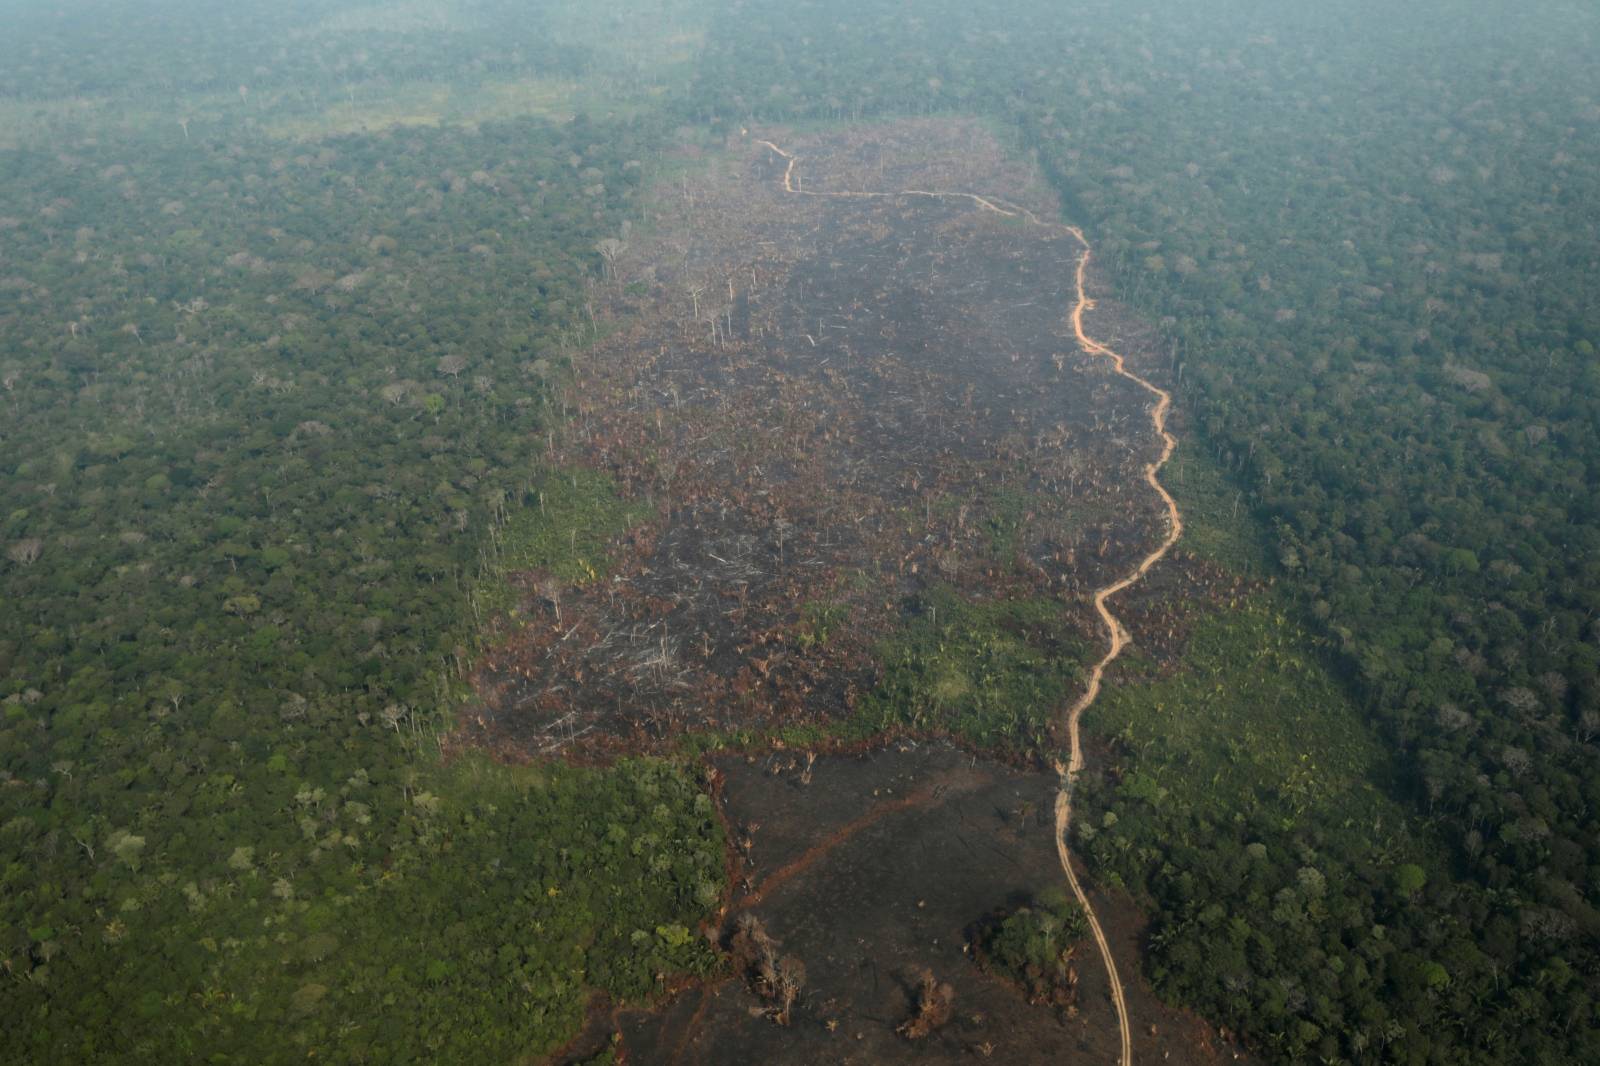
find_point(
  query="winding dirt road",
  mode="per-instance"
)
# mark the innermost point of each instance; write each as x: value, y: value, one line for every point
x: 1116, y: 634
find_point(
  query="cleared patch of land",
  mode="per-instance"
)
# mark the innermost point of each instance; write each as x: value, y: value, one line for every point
x: 629, y: 63
x: 852, y: 478
x: 872, y: 870
x: 873, y: 454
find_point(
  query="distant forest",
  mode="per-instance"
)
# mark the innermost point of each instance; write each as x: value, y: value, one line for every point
x: 280, y: 361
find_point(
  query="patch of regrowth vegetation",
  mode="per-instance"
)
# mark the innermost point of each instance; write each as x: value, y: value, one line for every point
x: 1218, y: 521
x: 993, y: 672
x: 1254, y: 720
x: 819, y: 622
x: 434, y: 103
x: 564, y: 529
x: 567, y: 528
x: 1035, y: 945
x: 999, y: 514
x: 1006, y: 512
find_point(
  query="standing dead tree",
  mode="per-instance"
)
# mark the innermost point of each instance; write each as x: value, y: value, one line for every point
x: 548, y: 589
x: 25, y: 552
x: 791, y: 978
x: 776, y: 979
x: 609, y: 248
x: 934, y: 1004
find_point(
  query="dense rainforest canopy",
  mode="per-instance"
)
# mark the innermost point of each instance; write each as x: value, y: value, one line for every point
x: 263, y: 400
x: 288, y: 297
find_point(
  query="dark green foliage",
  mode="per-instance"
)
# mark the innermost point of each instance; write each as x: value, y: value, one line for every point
x: 273, y: 411
x: 1033, y: 945
x: 992, y: 671
x: 468, y: 921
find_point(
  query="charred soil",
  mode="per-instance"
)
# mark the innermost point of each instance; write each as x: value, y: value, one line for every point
x: 883, y: 480
x: 875, y: 873
x: 834, y: 409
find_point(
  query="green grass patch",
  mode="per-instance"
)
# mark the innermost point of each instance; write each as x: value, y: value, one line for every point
x: 432, y: 103
x: 1218, y: 523
x: 565, y: 528
x: 995, y: 672
x: 637, y: 59
x: 820, y: 621
x: 1005, y: 513
x: 696, y: 743
x: 998, y: 513
x: 1253, y: 720
x: 295, y: 114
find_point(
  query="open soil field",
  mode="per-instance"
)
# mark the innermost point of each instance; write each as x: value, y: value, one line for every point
x: 872, y: 870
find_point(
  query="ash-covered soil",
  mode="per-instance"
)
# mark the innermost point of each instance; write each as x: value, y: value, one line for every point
x: 873, y: 872
x: 834, y: 402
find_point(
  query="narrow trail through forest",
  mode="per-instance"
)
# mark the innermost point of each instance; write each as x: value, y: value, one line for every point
x: 1117, y: 635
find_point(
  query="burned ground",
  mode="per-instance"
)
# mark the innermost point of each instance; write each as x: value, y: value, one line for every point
x: 847, y: 419
x: 871, y: 870
x: 833, y: 407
